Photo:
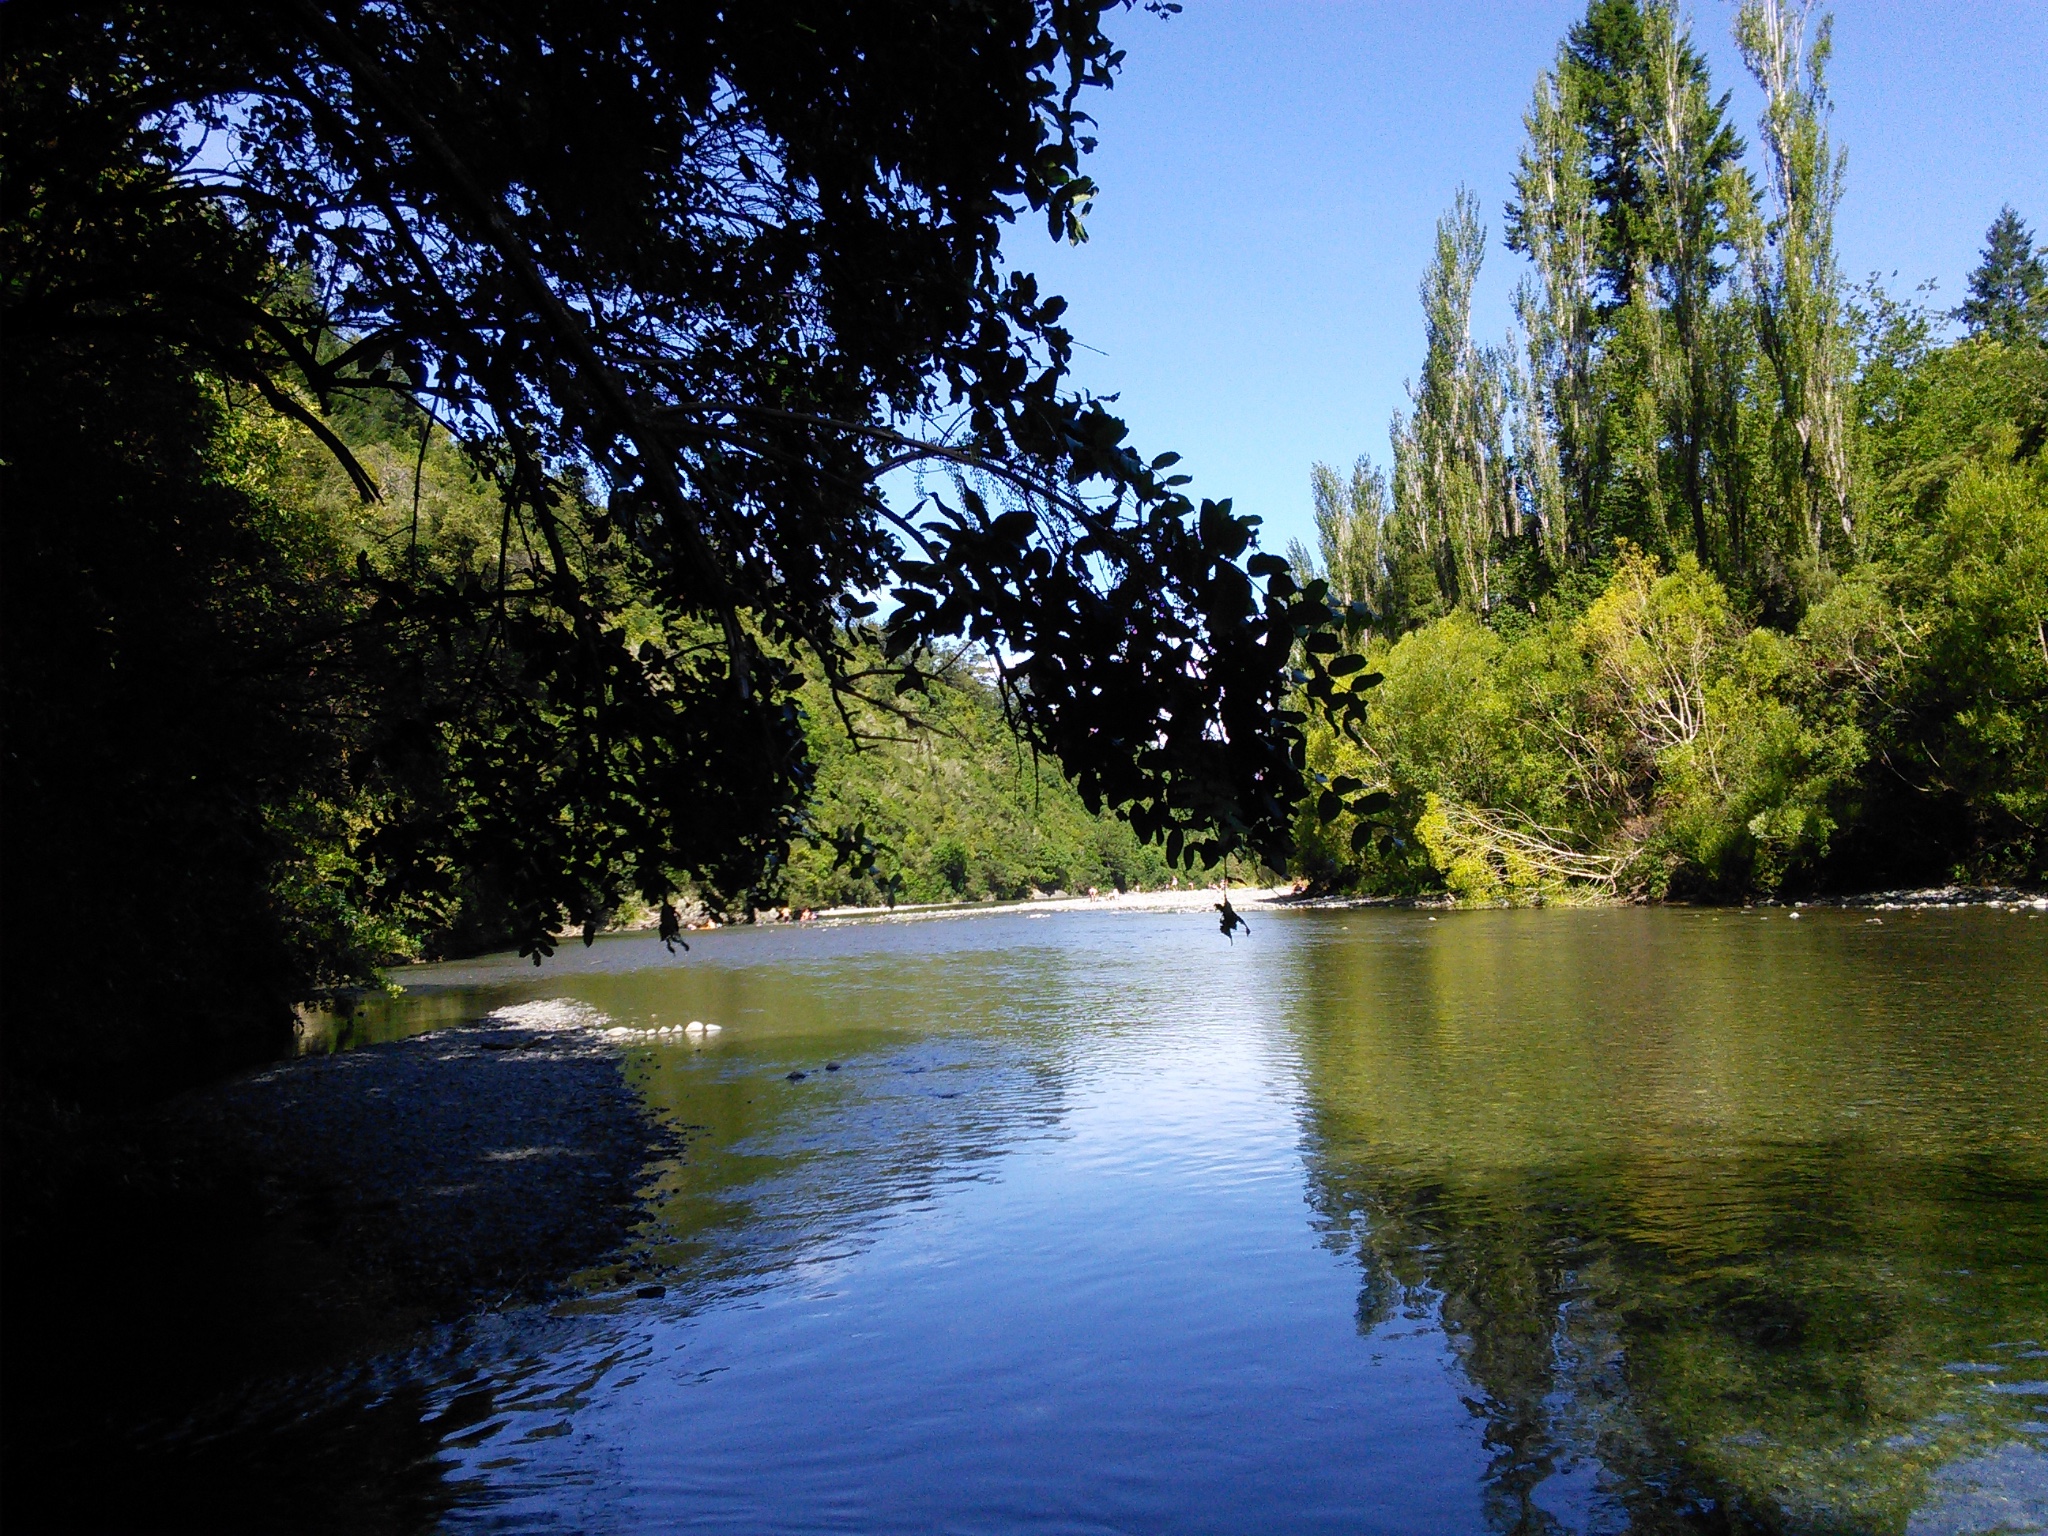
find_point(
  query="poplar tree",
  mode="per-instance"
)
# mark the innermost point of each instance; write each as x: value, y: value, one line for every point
x: 1555, y: 223
x: 1794, y: 277
x: 1352, y: 525
x: 1452, y: 490
x: 1533, y: 391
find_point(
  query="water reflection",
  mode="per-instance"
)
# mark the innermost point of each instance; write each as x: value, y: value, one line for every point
x: 1031, y: 1257
x: 912, y: 1081
x: 1617, y: 1221
x: 1731, y: 1226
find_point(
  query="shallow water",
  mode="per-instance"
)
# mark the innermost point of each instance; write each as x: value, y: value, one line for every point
x: 1493, y: 1221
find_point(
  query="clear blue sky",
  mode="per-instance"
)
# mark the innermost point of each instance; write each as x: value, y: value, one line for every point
x: 1272, y: 170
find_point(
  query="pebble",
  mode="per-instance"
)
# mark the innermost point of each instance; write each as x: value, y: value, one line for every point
x: 797, y: 1077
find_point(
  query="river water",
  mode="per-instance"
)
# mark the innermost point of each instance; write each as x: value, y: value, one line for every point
x: 1568, y: 1220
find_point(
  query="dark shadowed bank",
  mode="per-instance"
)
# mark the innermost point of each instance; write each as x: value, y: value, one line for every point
x: 171, y: 1278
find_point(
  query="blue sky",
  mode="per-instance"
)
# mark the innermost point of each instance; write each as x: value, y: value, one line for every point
x: 1272, y: 171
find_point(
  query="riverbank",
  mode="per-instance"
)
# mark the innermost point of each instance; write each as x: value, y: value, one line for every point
x: 288, y: 1223
x: 464, y: 1167
x: 1190, y: 899
x: 1252, y: 899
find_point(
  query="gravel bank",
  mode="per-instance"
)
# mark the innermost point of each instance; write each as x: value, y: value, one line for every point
x: 1936, y: 896
x: 456, y: 1169
x: 199, y: 1288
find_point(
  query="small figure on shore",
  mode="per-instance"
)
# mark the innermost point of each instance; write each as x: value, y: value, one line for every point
x: 1231, y: 921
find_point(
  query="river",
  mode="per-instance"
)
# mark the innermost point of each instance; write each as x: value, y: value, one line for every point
x: 1565, y: 1220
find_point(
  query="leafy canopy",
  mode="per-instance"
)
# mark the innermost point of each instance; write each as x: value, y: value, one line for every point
x: 688, y: 284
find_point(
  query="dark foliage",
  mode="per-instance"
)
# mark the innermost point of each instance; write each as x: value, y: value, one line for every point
x: 687, y: 284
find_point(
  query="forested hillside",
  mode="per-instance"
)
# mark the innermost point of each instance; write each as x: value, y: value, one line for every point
x: 924, y: 795
x: 957, y: 806
x: 1718, y: 576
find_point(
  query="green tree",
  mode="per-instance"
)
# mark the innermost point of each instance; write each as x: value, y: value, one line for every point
x: 1938, y: 643
x: 1453, y: 494
x: 1554, y: 222
x: 1796, y: 283
x: 1690, y: 181
x: 953, y: 805
x: 1703, y: 430
x: 1598, y: 63
x: 2008, y: 297
x: 1626, y: 196
x: 1374, y: 566
x: 1351, y: 517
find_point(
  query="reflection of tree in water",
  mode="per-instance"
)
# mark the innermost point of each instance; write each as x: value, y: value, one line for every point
x: 1509, y: 1283
x: 1787, y: 1364
x: 1690, y: 1288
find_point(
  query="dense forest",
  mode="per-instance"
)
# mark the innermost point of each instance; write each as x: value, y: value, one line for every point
x: 958, y: 808
x: 1720, y: 576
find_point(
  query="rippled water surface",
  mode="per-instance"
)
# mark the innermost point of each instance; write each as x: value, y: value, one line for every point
x: 1373, y: 1221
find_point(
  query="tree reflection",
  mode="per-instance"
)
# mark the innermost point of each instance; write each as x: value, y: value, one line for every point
x: 1712, y: 1255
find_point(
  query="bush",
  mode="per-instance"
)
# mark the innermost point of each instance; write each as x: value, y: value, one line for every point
x: 1650, y: 744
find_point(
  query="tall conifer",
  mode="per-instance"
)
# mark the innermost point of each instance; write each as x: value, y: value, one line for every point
x: 1623, y: 204
x: 2009, y: 290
